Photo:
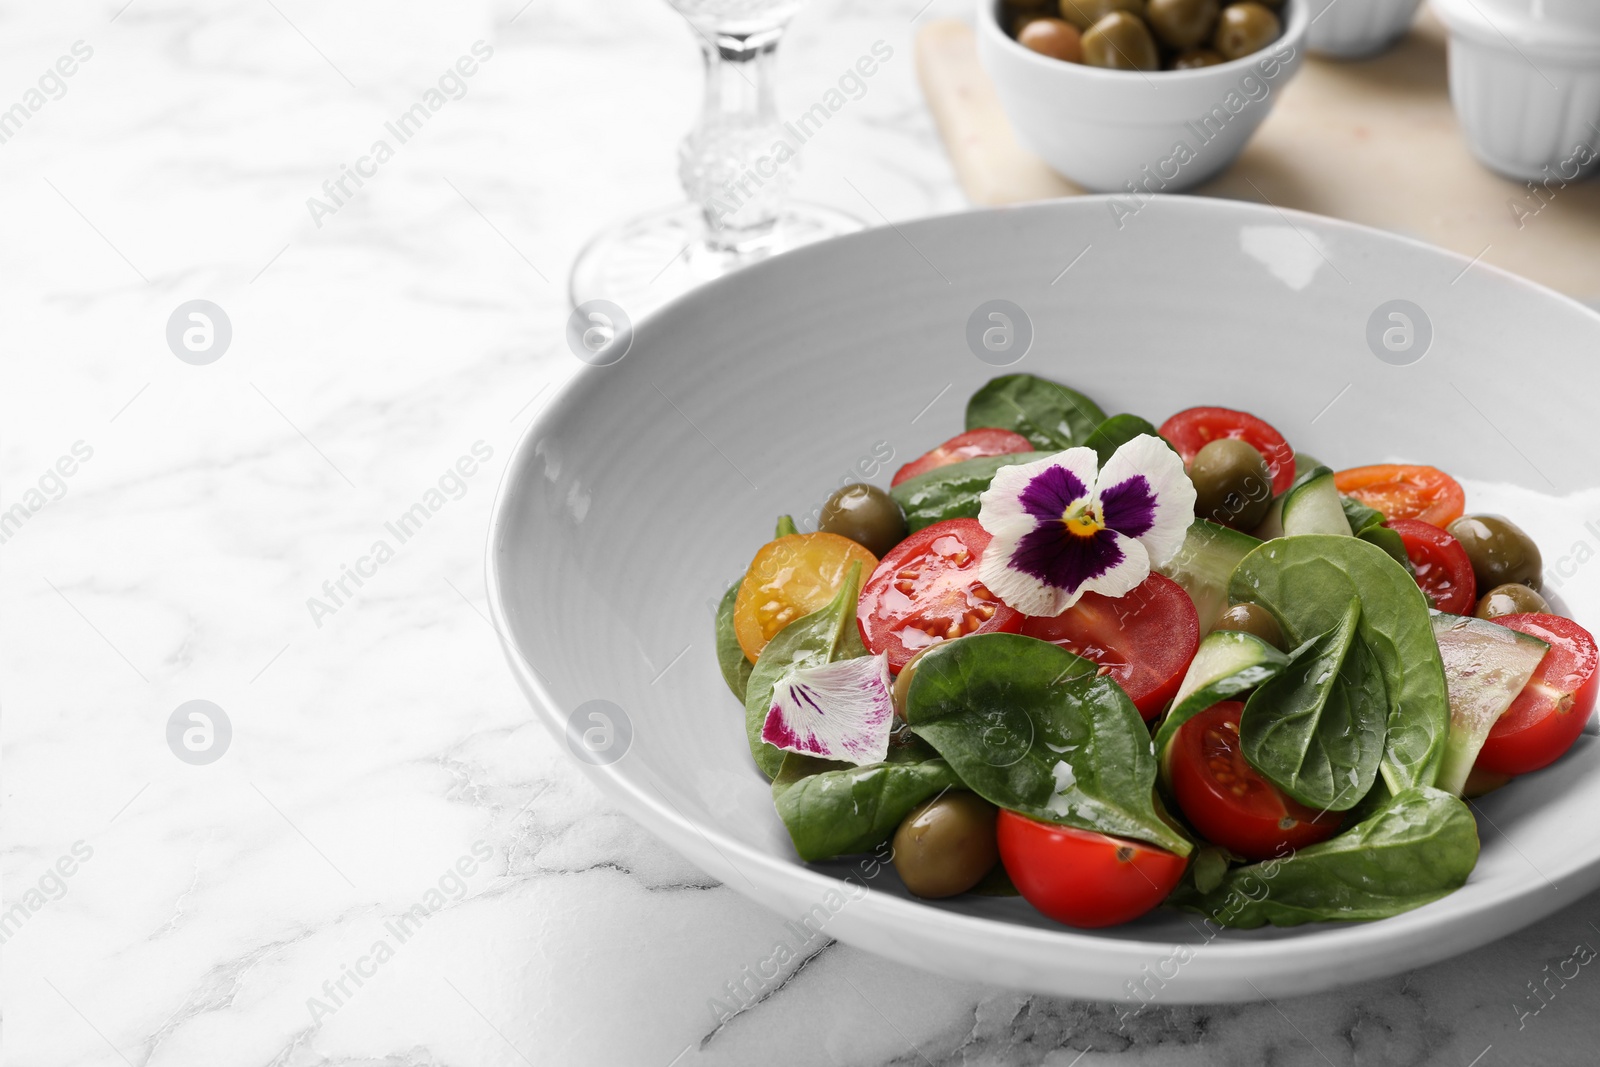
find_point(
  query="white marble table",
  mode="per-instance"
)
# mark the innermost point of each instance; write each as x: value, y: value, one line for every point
x: 176, y: 520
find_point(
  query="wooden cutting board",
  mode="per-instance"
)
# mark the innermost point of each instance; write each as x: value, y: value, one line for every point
x: 1375, y: 142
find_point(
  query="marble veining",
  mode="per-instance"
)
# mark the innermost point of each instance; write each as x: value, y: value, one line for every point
x: 389, y: 864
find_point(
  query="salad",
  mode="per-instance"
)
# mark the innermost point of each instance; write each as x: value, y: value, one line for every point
x: 1111, y: 666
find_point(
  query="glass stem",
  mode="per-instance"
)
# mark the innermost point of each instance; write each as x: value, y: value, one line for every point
x: 734, y: 162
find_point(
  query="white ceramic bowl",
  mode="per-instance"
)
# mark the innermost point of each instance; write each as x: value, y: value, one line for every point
x: 1525, y: 82
x: 1357, y: 29
x: 641, y: 492
x: 1133, y: 132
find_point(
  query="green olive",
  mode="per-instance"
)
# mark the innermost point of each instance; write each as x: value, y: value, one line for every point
x: 867, y: 515
x: 1231, y: 483
x: 1500, y: 551
x: 1513, y: 598
x: 1085, y: 13
x: 1252, y: 619
x: 1120, y: 41
x: 1245, y: 28
x: 946, y: 845
x: 1053, y: 38
x: 902, y: 683
x: 1181, y: 24
x: 1199, y: 57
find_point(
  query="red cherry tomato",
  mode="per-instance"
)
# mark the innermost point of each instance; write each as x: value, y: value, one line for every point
x: 1549, y: 713
x: 1443, y: 568
x: 926, y: 590
x: 1190, y: 431
x: 1224, y: 797
x: 1082, y: 878
x: 1403, y: 491
x: 974, y: 444
x: 1144, y: 640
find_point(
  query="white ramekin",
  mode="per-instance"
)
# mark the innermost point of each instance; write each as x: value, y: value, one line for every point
x: 1121, y: 131
x: 1357, y: 29
x: 1525, y: 81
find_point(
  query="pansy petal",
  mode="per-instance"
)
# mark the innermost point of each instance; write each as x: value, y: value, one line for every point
x: 1146, y: 494
x: 839, y: 711
x: 1048, y: 570
x: 1021, y: 494
x: 1127, y: 576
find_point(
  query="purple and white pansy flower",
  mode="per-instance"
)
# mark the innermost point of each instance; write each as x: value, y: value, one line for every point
x: 1063, y: 526
x: 839, y: 711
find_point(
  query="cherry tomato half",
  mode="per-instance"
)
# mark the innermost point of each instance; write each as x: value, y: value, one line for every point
x: 1443, y: 568
x: 1190, y: 431
x: 790, y: 578
x: 974, y: 444
x: 1082, y: 878
x: 1550, y: 712
x: 926, y: 590
x: 1144, y: 640
x: 1228, y: 801
x: 1403, y: 491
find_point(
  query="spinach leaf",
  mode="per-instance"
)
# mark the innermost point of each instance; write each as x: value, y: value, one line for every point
x: 950, y: 492
x: 834, y: 809
x: 1117, y: 431
x: 1047, y: 413
x: 730, y: 657
x: 1419, y: 846
x: 818, y: 638
x: 1316, y: 731
x: 1367, y: 524
x: 1308, y: 583
x: 786, y: 527
x: 1031, y: 727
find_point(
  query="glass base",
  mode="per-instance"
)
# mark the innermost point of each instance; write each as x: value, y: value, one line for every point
x: 643, y: 262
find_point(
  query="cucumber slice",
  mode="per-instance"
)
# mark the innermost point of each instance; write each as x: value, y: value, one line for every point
x: 1205, y: 563
x: 1226, y: 664
x: 1485, y: 666
x: 1313, y: 506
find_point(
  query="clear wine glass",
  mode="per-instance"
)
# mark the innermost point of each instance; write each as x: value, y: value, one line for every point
x: 736, y: 177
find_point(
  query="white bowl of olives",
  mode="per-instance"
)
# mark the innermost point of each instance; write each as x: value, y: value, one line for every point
x: 1139, y: 96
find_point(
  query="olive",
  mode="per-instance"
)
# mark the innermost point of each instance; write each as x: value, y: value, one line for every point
x: 946, y: 845
x: 1085, y: 13
x: 1181, y: 24
x: 1499, y: 550
x: 1244, y: 28
x: 867, y: 515
x: 1199, y: 57
x: 1513, y: 598
x: 1231, y: 483
x: 1053, y: 38
x: 1252, y: 619
x: 1120, y: 41
x: 902, y: 683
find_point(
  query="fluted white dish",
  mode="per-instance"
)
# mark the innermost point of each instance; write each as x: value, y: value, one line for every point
x: 641, y: 492
x: 1525, y: 82
x: 1357, y: 29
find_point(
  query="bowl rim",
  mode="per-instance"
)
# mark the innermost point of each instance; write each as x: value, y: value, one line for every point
x: 1294, y: 32
x: 786, y: 877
